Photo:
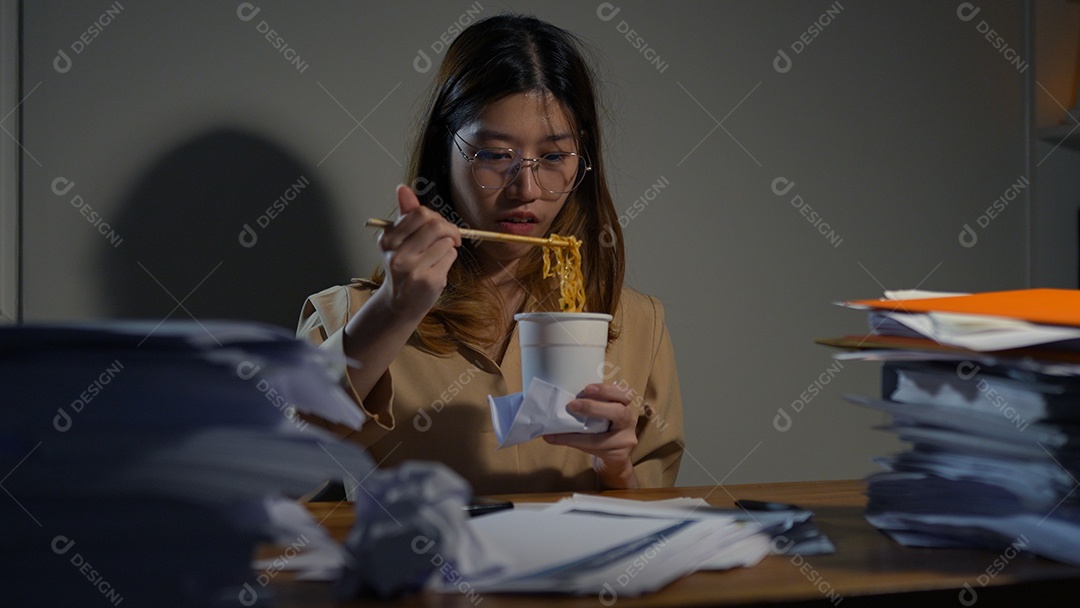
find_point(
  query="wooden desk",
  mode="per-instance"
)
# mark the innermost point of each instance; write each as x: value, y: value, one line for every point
x: 867, y: 569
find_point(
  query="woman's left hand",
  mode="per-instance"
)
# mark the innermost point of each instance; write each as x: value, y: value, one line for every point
x: 611, y: 450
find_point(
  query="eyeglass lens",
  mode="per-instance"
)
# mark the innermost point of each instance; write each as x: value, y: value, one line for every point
x: 557, y: 172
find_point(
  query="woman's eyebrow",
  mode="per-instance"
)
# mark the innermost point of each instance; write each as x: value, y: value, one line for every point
x: 559, y: 137
x: 491, y: 134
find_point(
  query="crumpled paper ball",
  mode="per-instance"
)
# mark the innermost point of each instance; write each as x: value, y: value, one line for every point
x: 410, y: 522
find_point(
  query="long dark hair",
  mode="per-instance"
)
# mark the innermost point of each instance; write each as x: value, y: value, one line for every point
x: 492, y: 59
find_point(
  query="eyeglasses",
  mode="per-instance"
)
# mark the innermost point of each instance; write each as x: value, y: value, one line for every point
x: 497, y: 168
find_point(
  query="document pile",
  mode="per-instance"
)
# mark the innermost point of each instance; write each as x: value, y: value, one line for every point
x: 142, y: 464
x: 986, y: 388
x: 624, y: 548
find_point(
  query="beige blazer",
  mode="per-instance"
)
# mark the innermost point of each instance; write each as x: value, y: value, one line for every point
x: 431, y: 407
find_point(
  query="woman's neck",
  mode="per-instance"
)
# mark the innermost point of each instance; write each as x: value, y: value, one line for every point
x: 502, y: 275
x: 511, y: 296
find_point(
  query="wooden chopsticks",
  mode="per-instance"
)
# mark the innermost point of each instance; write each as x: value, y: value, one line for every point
x: 485, y: 235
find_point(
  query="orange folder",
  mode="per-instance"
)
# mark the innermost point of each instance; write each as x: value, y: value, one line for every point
x: 1048, y: 306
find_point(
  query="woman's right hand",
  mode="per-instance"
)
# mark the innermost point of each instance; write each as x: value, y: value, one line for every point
x: 418, y: 251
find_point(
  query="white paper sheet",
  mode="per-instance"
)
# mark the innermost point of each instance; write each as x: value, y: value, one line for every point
x: 540, y: 410
x: 617, y: 555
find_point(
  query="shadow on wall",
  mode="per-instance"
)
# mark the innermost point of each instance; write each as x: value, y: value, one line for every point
x: 229, y: 225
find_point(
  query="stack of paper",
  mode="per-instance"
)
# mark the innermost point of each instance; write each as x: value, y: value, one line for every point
x: 993, y: 321
x: 610, y: 547
x: 624, y: 548
x: 141, y: 464
x: 992, y: 410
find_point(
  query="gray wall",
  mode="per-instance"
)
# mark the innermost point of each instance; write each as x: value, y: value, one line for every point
x: 894, y: 127
x: 1057, y: 162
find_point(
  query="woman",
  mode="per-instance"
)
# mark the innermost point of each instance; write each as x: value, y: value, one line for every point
x: 510, y: 143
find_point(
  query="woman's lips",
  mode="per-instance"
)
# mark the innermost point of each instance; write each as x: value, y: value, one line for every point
x: 518, y: 228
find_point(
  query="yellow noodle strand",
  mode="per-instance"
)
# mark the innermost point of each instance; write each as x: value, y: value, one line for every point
x: 567, y: 267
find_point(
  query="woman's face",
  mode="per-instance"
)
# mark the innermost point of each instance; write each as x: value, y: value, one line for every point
x: 533, y: 124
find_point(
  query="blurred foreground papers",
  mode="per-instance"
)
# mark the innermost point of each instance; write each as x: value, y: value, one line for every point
x: 583, y: 545
x: 993, y: 416
x: 616, y: 547
x: 142, y: 464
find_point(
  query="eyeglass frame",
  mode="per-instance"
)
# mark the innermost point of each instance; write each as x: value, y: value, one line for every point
x: 535, y: 165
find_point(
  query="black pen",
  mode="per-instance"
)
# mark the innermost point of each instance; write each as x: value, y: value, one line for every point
x: 764, y: 505
x: 482, y: 507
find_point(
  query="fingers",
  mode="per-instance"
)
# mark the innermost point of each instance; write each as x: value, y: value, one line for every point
x: 606, y: 401
x: 614, y: 445
x: 416, y: 225
x: 406, y: 199
x: 418, y: 255
x: 445, y: 259
x: 418, y: 252
x: 599, y: 444
x: 620, y: 414
x: 608, y: 392
x: 612, y: 452
x: 609, y: 402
